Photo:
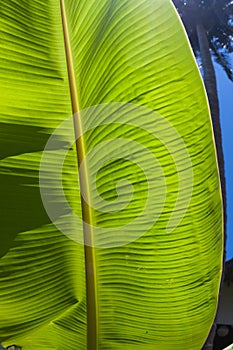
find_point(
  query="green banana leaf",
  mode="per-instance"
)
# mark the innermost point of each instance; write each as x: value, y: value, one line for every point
x: 150, y: 213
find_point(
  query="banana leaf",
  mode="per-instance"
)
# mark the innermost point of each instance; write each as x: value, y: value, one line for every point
x: 111, y: 213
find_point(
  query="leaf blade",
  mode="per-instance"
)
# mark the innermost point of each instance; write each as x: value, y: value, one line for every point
x: 113, y: 63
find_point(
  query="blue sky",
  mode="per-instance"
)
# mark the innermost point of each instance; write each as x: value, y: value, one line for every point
x: 225, y: 91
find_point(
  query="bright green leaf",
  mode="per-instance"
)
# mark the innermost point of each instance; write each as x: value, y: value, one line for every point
x: 154, y: 222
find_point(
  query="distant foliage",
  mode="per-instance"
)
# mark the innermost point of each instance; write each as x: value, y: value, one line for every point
x: 217, y: 18
x: 11, y: 347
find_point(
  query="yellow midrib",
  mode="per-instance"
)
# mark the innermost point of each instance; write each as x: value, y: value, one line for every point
x: 91, y: 295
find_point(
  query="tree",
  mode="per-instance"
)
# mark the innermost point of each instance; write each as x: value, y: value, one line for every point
x: 209, y: 27
x: 217, y: 19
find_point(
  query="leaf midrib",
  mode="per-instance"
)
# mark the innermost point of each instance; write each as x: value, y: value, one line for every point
x: 91, y: 295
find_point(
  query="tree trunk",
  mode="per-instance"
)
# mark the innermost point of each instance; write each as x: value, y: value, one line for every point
x: 211, y: 89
